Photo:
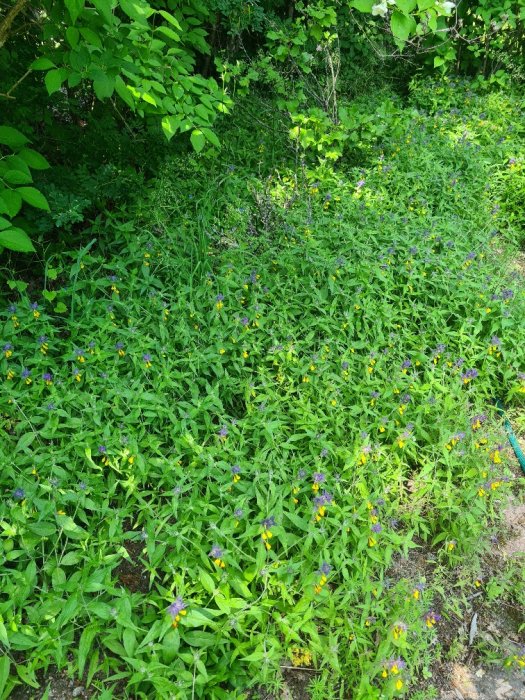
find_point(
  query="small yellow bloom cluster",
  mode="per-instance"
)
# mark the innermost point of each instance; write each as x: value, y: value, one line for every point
x: 479, y: 444
x: 267, y: 535
x: 219, y: 562
x: 177, y: 618
x: 146, y: 259
x: 371, y: 366
x: 115, y: 289
x: 301, y: 657
x: 15, y: 321
x: 10, y: 375
x: 8, y: 352
x: 518, y: 660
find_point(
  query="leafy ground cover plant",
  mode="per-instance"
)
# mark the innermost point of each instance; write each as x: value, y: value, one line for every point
x: 213, y: 453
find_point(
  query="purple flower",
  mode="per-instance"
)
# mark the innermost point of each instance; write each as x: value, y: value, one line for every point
x: 406, y: 364
x: 175, y: 608
x: 79, y: 352
x: 33, y: 306
x: 507, y: 294
x: 397, y: 663
x: 219, y: 297
x: 301, y: 473
x: 235, y: 469
x: 238, y: 512
x: 50, y: 406
x: 146, y: 357
x: 323, y: 453
x: 360, y: 183
x: 42, y: 339
x: 345, y: 365
x: 268, y: 522
x: 374, y: 394
x: 319, y: 477
x: 405, y: 398
x: 47, y: 377
x: 19, y: 494
x: 11, y: 309
x: 376, y: 527
x: 102, y: 449
x: 7, y: 347
x: 82, y: 486
x: 440, y: 348
x: 216, y: 552
x: 26, y: 373
x: 469, y: 374
x: 119, y: 345
x: 245, y: 320
x: 223, y: 432
x: 325, y: 568
x: 495, y: 341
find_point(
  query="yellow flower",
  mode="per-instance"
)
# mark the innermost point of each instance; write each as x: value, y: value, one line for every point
x: 371, y: 542
x: 10, y: 374
x: 399, y: 684
x: 245, y: 354
x: 222, y: 351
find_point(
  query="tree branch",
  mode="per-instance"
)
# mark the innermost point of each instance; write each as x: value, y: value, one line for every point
x: 5, y: 24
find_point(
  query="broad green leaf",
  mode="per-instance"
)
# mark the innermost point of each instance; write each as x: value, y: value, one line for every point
x: 17, y: 177
x: 103, y: 84
x: 72, y: 36
x: 43, y: 529
x: 10, y: 202
x: 402, y: 26
x: 197, y: 140
x: 74, y: 8
x: 42, y: 63
x: 123, y: 92
x: 363, y: 5
x: 54, y: 79
x: 34, y: 159
x: 171, y: 19
x: 12, y: 137
x: 4, y: 673
x: 406, y: 6
x: 33, y: 197
x: 438, y: 61
x: 170, y: 126
x: 135, y: 9
x: 211, y: 136
x: 84, y: 646
x: 103, y: 7
x: 4, y: 223
x: 24, y: 442
x: 16, y: 239
x: 60, y: 308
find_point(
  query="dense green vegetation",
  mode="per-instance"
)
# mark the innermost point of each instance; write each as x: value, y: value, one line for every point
x: 250, y: 371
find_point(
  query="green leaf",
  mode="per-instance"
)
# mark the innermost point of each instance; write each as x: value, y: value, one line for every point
x: 103, y: 8
x: 43, y: 529
x: 54, y: 79
x: 211, y: 136
x: 4, y: 673
x: 33, y: 197
x: 34, y: 159
x: 17, y: 177
x: 363, y: 5
x: 136, y: 10
x: 84, y: 645
x: 25, y: 441
x: 438, y: 61
x: 42, y: 63
x: 406, y: 6
x: 60, y: 308
x: 12, y: 137
x: 74, y: 8
x: 16, y: 239
x: 170, y: 126
x: 4, y: 223
x: 171, y: 19
x: 10, y: 202
x: 103, y: 84
x: 72, y: 36
x: 402, y: 26
x: 123, y: 92
x: 197, y: 140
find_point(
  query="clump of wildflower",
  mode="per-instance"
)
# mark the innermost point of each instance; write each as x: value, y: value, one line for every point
x: 451, y: 545
x: 431, y: 618
x: 363, y: 457
x: 177, y: 610
x: 495, y: 454
x: 147, y: 360
x: 454, y: 440
x: 26, y: 376
x: 469, y: 375
x: 320, y: 503
x: 8, y: 350
x: 219, y: 299
x: 76, y: 374
x: 319, y: 478
x: 399, y: 630
x: 34, y: 308
x: 223, y: 433
x: 267, y: 534
x: 494, y: 346
x: 236, y: 473
x: 405, y: 366
x: 119, y: 347
x: 477, y: 421
x: 301, y: 657
x: 48, y: 378
x: 216, y: 554
x: 19, y: 494
x: 80, y: 355
x: 393, y: 667
x: 324, y: 572
x: 418, y: 590
x: 102, y: 450
x: 42, y: 340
